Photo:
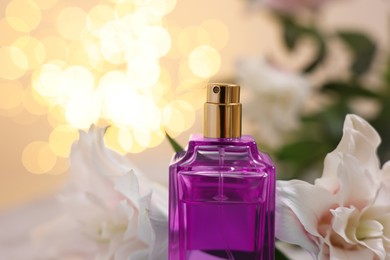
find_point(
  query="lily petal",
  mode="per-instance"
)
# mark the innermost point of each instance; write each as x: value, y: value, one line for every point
x: 344, y: 223
x: 376, y: 246
x: 358, y: 186
x: 359, y: 139
x: 336, y: 253
x: 289, y: 229
x: 306, y: 201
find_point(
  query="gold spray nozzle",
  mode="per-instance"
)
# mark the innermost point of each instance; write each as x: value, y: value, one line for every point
x: 222, y: 111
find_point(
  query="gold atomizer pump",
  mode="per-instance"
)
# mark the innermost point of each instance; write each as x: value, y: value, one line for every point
x: 222, y: 111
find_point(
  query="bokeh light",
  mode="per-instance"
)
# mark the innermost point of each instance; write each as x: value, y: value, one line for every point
x: 38, y: 157
x: 13, y: 63
x: 23, y: 15
x: 120, y: 64
x: 33, y: 49
x: 71, y: 22
x: 61, y: 140
x: 204, y: 61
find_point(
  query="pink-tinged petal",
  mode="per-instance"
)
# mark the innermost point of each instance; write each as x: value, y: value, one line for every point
x: 308, y: 202
x: 336, y: 253
x: 375, y: 245
x: 358, y: 186
x: 359, y: 140
x: 290, y: 230
x: 345, y: 222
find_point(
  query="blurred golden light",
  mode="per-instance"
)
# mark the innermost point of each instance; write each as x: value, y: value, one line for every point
x: 191, y: 37
x: 56, y: 116
x: 136, y: 147
x: 79, y: 56
x: 33, y: 49
x: 47, y: 80
x: 8, y: 34
x: 112, y: 141
x: 125, y: 139
x: 55, y: 48
x: 178, y: 116
x: 156, y: 138
x: 38, y: 158
x: 61, y: 140
x: 116, y: 39
x: 75, y: 81
x: 11, y: 94
x: 143, y: 71
x: 23, y: 15
x: 61, y: 166
x: 31, y: 104
x: 195, y: 97
x: 204, y: 61
x: 114, y: 64
x: 124, y: 8
x: 157, y: 38
x: 162, y: 7
x: 45, y: 4
x: 97, y: 17
x: 142, y: 137
x: 83, y: 111
x: 13, y: 63
x: 71, y: 22
x: 174, y: 52
x: 218, y: 33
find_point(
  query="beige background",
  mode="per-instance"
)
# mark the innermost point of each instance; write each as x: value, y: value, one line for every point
x: 251, y: 34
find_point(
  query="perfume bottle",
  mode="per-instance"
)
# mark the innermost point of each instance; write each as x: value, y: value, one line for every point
x: 221, y: 189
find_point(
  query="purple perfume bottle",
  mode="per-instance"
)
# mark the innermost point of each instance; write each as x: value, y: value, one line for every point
x: 221, y: 189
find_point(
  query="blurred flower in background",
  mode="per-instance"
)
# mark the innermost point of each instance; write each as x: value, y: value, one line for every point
x: 276, y: 99
x: 291, y: 6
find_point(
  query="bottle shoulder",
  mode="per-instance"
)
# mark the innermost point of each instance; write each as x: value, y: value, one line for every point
x: 239, y: 153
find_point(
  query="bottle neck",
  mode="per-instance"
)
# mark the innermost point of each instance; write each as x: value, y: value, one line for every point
x: 222, y: 120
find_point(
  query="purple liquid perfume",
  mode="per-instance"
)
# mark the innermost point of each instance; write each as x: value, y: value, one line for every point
x: 221, y: 189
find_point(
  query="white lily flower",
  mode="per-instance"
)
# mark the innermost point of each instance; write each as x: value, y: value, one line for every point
x: 111, y: 211
x: 346, y: 213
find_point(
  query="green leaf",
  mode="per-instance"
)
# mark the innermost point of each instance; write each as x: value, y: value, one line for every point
x: 348, y: 90
x: 293, y: 32
x: 387, y: 73
x: 363, y: 49
x: 176, y: 147
x: 301, y: 151
x: 279, y: 255
x: 321, y: 51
